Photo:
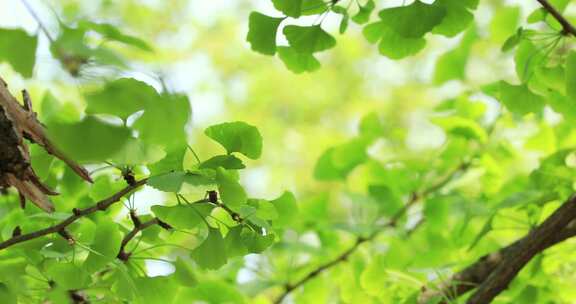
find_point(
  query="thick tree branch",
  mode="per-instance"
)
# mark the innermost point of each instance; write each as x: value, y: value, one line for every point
x: 414, y: 198
x: 77, y: 214
x: 476, y: 274
x: 567, y: 27
x: 535, y: 242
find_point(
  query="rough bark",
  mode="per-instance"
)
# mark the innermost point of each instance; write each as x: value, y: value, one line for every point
x: 477, y: 273
x: 16, y: 123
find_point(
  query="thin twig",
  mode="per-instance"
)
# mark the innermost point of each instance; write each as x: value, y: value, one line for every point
x: 77, y: 214
x: 122, y: 254
x: 40, y: 24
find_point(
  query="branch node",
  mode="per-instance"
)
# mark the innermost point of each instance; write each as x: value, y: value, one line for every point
x: 102, y: 205
x: 66, y: 235
x: 124, y: 256
x: 76, y: 212
x: 135, y: 219
x: 17, y: 231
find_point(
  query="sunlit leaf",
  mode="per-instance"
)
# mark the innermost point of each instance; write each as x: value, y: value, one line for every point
x: 237, y: 137
x: 211, y: 254
x: 262, y: 33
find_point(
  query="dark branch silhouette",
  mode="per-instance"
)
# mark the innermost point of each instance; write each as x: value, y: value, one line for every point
x: 76, y: 215
x: 567, y: 27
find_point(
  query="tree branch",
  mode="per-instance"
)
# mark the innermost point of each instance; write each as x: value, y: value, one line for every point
x: 77, y: 214
x: 567, y: 27
x: 535, y: 242
x: 122, y: 254
x: 414, y: 198
x: 478, y: 273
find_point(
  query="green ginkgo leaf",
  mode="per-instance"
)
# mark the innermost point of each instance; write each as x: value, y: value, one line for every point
x: 364, y: 12
x: 519, y: 99
x: 308, y: 39
x: 414, y: 20
x: 211, y: 254
x: 292, y: 8
x: 183, y: 216
x: 231, y: 192
x: 237, y: 137
x: 122, y: 97
x: 298, y: 62
x: 262, y: 31
x: 104, y: 247
x: 19, y: 50
x: 90, y: 140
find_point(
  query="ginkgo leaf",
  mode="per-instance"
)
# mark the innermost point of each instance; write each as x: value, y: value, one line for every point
x: 173, y: 161
x: 457, y: 18
x: 461, y: 126
x: 211, y: 254
x: 519, y: 99
x: 389, y: 201
x: 68, y: 276
x: 105, y: 246
x: 237, y: 137
x: 337, y: 162
x: 291, y: 8
x: 165, y: 115
x: 184, y: 273
x: 287, y: 209
x: 173, y: 181
x: 298, y: 62
x: 414, y: 20
x: 19, y: 50
x: 231, y: 192
x: 230, y: 162
x: 122, y: 97
x: 97, y: 142
x: 308, y: 39
x: 262, y: 31
x: 364, y: 12
x: 392, y: 44
x: 183, y: 216
x: 135, y: 152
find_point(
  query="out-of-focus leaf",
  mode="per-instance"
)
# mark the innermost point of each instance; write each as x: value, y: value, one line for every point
x: 90, y: 140
x: 364, y: 12
x: 519, y: 99
x: 122, y: 97
x: 166, y: 115
x: 287, y: 209
x: 113, y: 33
x: 19, y: 50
